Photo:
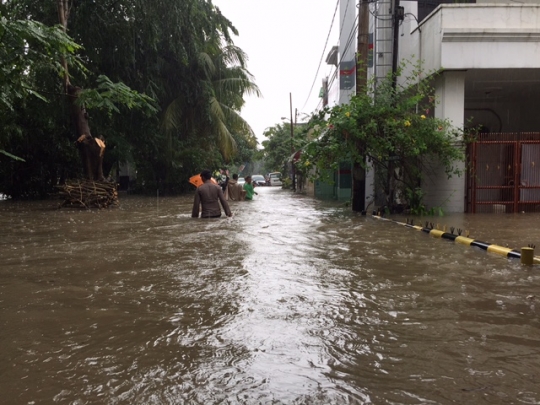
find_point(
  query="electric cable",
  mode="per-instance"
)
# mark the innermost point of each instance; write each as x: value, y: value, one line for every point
x: 343, y: 21
x: 322, y: 56
x: 351, y: 36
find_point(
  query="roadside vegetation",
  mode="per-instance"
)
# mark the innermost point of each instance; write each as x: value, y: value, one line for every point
x: 279, y: 146
x: 392, y: 132
x: 162, y: 84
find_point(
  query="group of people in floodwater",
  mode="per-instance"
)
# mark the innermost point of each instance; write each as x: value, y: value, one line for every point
x: 210, y: 195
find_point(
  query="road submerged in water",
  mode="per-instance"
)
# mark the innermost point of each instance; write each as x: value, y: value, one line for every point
x: 291, y: 301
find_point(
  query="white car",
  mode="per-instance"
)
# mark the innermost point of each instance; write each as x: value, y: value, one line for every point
x: 258, y: 180
x: 241, y: 181
x: 274, y: 179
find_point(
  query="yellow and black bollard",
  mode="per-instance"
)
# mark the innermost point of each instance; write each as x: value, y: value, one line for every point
x: 526, y: 255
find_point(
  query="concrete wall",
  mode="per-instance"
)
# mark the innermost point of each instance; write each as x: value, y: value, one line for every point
x: 347, y: 48
x: 473, y: 36
x: 506, y: 1
x: 500, y: 38
x: 448, y: 194
x: 441, y: 192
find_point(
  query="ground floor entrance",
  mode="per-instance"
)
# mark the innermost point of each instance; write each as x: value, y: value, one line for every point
x: 504, y: 173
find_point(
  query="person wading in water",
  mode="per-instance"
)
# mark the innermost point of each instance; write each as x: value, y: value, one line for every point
x: 249, y: 189
x: 235, y: 190
x: 209, y: 196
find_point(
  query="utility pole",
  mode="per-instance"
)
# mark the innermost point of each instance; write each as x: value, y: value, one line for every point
x: 398, y: 16
x: 362, y: 46
x: 359, y: 170
x: 293, y: 171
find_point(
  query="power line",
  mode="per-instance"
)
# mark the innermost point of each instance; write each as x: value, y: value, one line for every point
x: 322, y: 56
x: 350, y: 38
x: 352, y: 35
x: 343, y: 20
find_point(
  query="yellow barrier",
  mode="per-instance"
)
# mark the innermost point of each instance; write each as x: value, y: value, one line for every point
x: 464, y: 241
x: 527, y: 258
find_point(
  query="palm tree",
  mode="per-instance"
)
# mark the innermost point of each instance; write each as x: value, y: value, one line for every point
x: 224, y: 80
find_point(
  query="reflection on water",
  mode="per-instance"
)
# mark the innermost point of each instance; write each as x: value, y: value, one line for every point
x: 290, y: 301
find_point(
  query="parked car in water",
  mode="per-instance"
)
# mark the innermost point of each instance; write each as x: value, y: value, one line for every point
x: 258, y: 180
x: 241, y: 181
x: 274, y: 179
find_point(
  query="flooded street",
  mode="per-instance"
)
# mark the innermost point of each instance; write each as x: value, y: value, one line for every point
x: 292, y: 301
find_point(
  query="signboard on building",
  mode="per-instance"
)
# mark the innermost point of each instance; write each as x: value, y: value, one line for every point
x: 347, y: 74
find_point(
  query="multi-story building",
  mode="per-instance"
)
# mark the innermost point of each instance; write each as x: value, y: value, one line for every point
x: 486, y: 56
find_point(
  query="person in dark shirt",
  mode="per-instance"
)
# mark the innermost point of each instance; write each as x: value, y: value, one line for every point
x: 208, y: 196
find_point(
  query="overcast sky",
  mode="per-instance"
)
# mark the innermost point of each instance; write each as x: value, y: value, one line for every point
x: 284, y: 41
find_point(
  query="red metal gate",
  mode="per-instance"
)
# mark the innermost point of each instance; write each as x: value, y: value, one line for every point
x: 504, y: 173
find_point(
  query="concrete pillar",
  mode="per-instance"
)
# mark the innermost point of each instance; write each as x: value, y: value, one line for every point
x: 449, y: 194
x: 450, y: 93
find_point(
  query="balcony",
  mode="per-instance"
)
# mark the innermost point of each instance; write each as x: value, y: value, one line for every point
x: 474, y: 36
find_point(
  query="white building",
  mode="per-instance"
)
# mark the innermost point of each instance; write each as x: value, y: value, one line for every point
x: 487, y: 54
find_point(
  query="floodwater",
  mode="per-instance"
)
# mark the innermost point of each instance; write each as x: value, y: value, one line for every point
x: 292, y: 301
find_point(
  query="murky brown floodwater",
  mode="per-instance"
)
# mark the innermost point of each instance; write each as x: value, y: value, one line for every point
x: 293, y: 301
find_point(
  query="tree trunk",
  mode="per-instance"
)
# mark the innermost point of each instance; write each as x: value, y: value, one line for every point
x: 91, y: 149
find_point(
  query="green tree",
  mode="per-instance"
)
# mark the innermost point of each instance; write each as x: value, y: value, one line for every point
x: 26, y: 46
x: 396, y: 131
x: 175, y: 50
x: 225, y: 81
x: 279, y: 146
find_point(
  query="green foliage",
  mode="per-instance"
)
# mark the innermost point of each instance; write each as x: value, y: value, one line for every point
x: 162, y: 82
x: 25, y: 46
x: 395, y: 130
x: 279, y: 146
x: 29, y: 51
x: 286, y: 182
x: 414, y: 198
x: 224, y: 81
x: 108, y: 95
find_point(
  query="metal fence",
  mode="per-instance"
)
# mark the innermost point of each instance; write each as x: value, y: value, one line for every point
x: 504, y: 173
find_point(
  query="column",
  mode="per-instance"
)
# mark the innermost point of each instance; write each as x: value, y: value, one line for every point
x: 448, y: 194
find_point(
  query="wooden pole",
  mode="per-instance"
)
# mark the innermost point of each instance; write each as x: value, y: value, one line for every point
x: 359, y: 171
x: 293, y: 171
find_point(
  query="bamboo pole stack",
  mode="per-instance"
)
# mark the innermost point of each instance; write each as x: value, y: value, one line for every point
x: 88, y: 194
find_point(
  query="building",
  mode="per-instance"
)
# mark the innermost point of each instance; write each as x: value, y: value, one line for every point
x: 338, y: 88
x: 486, y: 54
